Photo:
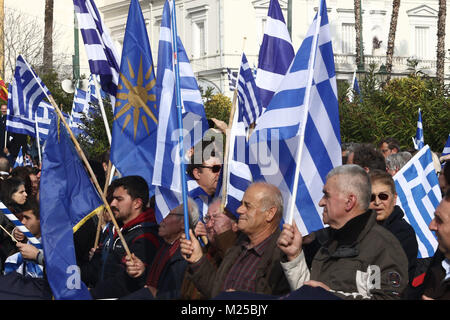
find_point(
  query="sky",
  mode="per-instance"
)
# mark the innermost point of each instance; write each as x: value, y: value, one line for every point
x: 63, y: 22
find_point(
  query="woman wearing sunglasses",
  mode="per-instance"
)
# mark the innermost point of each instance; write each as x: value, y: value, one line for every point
x: 390, y: 216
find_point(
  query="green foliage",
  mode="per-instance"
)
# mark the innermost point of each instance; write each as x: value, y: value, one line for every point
x: 392, y: 110
x: 53, y: 84
x: 95, y: 142
x: 216, y: 105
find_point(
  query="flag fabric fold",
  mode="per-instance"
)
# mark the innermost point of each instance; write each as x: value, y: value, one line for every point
x: 418, y: 140
x: 136, y: 112
x: 275, y: 55
x: 82, y: 108
x: 250, y: 107
x: 167, y: 173
x: 67, y: 199
x: 446, y: 149
x: 101, y: 52
x: 419, y: 195
x: 26, y: 94
x: 19, y: 159
x: 232, y: 75
x: 304, y: 105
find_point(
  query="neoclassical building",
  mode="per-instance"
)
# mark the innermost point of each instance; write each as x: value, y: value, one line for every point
x: 215, y: 32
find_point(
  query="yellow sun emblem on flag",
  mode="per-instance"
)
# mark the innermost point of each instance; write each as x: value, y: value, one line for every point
x: 137, y: 98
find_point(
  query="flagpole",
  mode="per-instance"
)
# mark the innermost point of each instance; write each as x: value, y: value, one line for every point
x: 180, y: 121
x: 102, y: 109
x: 100, y: 218
x: 228, y: 135
x: 86, y: 163
x: 38, y: 142
x: 105, y: 121
x: 290, y: 213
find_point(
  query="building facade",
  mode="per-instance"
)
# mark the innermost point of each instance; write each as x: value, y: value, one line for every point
x: 215, y: 32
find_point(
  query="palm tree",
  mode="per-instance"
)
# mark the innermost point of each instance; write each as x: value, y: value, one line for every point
x: 2, y: 39
x: 391, y: 37
x: 48, y: 36
x: 358, y: 31
x: 441, y: 41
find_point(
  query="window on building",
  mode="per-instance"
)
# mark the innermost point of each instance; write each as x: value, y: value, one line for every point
x: 348, y: 38
x: 422, y: 48
x: 198, y: 39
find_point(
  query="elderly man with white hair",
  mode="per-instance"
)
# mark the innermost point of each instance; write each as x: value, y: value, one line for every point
x: 357, y: 258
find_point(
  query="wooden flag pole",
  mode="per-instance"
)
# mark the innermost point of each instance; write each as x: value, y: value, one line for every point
x: 9, y: 234
x: 100, y: 218
x: 91, y: 173
x: 228, y: 135
x: 85, y: 161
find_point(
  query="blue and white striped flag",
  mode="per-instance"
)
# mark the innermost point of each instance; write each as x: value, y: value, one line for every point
x: 166, y: 174
x: 446, y: 149
x: 82, y: 108
x: 305, y: 108
x: 102, y: 55
x: 28, y: 268
x: 239, y: 175
x: 419, y: 194
x: 44, y: 115
x: 275, y: 55
x: 250, y: 107
x: 19, y: 159
x: 12, y: 217
x: 418, y: 140
x: 232, y: 75
x: 25, y: 95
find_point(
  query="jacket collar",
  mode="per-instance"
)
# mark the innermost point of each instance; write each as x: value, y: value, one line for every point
x: 397, y: 214
x: 346, y: 238
x: 145, y: 216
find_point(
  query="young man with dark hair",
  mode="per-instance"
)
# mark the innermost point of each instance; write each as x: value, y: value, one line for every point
x: 106, y: 272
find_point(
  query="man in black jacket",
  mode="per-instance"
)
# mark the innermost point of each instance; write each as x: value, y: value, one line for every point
x: 106, y: 272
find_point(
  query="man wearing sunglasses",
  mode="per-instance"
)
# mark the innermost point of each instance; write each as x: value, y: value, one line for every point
x: 203, y: 173
x: 390, y: 216
x: 357, y: 258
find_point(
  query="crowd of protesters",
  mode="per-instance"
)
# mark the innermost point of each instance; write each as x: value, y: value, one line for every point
x: 366, y: 251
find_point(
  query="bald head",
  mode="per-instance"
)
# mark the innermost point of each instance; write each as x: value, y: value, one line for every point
x: 4, y: 165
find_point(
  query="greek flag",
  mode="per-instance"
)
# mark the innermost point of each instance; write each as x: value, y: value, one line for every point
x: 354, y: 88
x: 12, y: 217
x: 26, y: 93
x: 19, y: 159
x: 82, y: 108
x: 231, y: 79
x: 275, y: 55
x: 102, y: 55
x: 446, y: 149
x: 418, y: 140
x: 298, y: 135
x: 30, y: 269
x: 419, y: 194
x: 248, y: 95
x: 239, y: 176
x: 44, y: 115
x: 166, y: 174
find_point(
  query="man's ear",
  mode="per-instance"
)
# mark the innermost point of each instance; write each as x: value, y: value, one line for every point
x: 195, y: 173
x: 350, y: 202
x: 270, y: 214
x: 137, y: 203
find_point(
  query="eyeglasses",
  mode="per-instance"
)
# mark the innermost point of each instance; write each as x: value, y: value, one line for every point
x: 215, y: 168
x: 382, y: 196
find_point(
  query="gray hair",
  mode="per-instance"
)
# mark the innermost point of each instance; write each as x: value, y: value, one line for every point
x: 274, y: 198
x: 193, y: 212
x: 354, y: 179
x: 396, y: 161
